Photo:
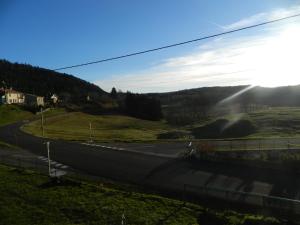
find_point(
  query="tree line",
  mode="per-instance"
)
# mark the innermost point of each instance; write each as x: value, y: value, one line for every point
x: 44, y: 82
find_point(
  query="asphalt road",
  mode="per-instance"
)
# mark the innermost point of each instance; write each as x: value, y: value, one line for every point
x: 156, y: 165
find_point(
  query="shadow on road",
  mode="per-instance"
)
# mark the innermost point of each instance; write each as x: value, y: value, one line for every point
x: 236, y: 177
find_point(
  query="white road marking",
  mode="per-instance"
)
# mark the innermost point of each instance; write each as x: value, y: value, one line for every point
x: 42, y: 158
x: 148, y: 146
x: 130, y: 150
x: 53, y: 163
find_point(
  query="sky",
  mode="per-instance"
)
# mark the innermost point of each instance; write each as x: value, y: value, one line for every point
x: 59, y: 33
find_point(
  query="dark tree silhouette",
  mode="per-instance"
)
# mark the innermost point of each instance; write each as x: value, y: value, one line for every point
x: 142, y: 106
x: 44, y: 82
x: 113, y: 93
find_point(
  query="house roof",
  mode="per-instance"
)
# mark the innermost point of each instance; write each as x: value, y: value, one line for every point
x: 12, y: 91
x: 35, y: 96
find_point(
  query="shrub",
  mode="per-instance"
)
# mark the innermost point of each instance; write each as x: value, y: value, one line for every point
x: 211, y: 218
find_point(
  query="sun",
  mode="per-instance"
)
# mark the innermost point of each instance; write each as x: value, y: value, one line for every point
x: 277, y: 62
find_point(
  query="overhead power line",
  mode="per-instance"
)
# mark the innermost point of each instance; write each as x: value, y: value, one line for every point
x: 178, y: 44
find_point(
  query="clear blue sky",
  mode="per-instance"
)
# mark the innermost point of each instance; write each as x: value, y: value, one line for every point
x: 56, y: 33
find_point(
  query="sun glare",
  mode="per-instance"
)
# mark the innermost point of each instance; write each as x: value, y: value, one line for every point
x: 277, y: 62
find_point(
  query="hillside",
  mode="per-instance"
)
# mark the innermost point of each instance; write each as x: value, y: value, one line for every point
x: 208, y: 96
x: 44, y: 82
x: 75, y: 126
x: 11, y: 113
x: 196, y: 105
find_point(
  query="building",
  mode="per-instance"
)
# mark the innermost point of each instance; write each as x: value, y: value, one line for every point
x: 54, y: 98
x: 10, y: 96
x: 33, y: 100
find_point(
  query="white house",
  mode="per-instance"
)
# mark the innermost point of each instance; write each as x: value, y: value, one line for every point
x: 11, y: 96
x: 54, y: 98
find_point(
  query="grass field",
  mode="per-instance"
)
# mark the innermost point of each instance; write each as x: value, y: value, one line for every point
x: 12, y: 113
x: 279, y: 122
x: 276, y: 122
x: 273, y: 122
x: 76, y: 126
x: 30, y: 198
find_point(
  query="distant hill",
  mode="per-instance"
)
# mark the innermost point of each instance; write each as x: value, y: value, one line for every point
x: 44, y: 82
x: 179, y: 107
x: 193, y: 105
x: 208, y: 96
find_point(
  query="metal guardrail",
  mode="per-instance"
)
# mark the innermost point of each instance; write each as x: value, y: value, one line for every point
x: 250, y: 198
x: 34, y: 164
x: 249, y: 144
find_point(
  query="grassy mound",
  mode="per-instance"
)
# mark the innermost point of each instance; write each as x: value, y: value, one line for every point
x: 76, y: 126
x: 223, y: 128
x: 13, y: 113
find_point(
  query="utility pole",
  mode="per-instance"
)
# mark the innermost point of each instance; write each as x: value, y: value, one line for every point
x: 49, y: 163
x: 42, y: 122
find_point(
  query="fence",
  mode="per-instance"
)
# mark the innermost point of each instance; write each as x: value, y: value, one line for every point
x: 36, y: 164
x: 250, y: 198
x: 250, y: 144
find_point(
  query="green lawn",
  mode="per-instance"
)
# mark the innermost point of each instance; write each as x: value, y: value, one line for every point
x: 270, y: 123
x: 277, y: 122
x: 30, y: 198
x: 12, y: 113
x: 76, y: 126
x: 273, y: 122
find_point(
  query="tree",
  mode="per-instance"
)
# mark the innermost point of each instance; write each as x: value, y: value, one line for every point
x: 113, y: 93
x: 142, y: 106
x: 39, y: 81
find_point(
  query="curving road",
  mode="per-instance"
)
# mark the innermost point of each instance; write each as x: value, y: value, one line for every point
x: 156, y: 165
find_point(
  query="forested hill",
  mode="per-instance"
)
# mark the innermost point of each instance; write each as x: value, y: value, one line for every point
x: 210, y: 96
x: 193, y: 105
x: 44, y: 82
